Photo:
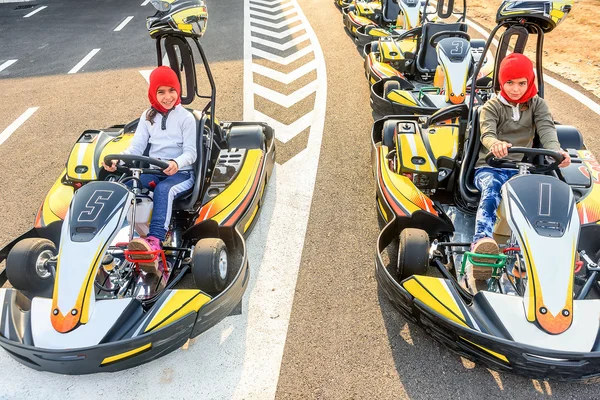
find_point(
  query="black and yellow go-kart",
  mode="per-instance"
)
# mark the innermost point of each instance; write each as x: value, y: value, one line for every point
x: 341, y: 4
x: 360, y: 13
x: 397, y: 17
x: 80, y: 303
x: 538, y: 314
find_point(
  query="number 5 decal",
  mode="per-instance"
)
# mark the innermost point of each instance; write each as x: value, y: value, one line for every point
x: 458, y: 47
x: 94, y: 205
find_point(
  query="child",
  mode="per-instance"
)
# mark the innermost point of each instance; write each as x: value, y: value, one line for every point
x: 510, y: 119
x: 171, y: 132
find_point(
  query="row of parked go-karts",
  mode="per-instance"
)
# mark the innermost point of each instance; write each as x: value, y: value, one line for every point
x: 428, y: 79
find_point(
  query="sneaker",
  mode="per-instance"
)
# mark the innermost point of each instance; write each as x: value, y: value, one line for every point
x: 150, y: 243
x: 484, y: 245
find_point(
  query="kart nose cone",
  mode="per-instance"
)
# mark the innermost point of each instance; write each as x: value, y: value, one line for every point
x: 457, y: 99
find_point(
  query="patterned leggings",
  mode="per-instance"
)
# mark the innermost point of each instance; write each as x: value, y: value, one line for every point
x: 489, y: 181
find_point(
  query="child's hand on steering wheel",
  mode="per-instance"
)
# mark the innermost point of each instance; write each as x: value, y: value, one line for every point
x: 500, y: 149
x: 567, y: 159
x: 172, y: 169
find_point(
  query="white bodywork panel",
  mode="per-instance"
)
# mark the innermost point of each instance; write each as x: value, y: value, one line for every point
x: 45, y: 336
x: 580, y: 337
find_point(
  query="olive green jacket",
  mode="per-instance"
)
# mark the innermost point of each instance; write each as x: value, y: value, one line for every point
x: 496, y: 124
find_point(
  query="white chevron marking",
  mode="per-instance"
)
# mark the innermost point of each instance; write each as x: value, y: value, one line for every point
x: 273, y: 17
x: 282, y: 60
x: 278, y: 35
x: 286, y: 100
x: 277, y: 25
x: 266, y: 3
x: 285, y: 78
x: 284, y: 133
x: 267, y: 8
x: 287, y: 45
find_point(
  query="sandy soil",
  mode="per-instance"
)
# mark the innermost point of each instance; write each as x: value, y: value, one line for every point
x: 572, y: 50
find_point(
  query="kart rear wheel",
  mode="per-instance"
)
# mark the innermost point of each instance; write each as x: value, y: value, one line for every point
x: 413, y: 253
x: 389, y: 86
x: 210, y: 265
x: 25, y: 265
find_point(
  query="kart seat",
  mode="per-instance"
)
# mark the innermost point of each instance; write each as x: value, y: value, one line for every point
x: 189, y: 198
x: 426, y: 56
x: 390, y: 11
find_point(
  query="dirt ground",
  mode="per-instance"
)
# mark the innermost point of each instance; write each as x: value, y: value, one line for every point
x: 572, y: 50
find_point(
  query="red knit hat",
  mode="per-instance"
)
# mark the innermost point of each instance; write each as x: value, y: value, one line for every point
x: 517, y: 66
x: 163, y: 76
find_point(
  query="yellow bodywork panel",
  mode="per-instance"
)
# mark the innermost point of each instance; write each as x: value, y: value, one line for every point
x: 497, y: 355
x: 434, y: 293
x: 181, y: 303
x: 443, y: 140
x: 411, y: 145
x: 404, y: 97
x: 129, y: 353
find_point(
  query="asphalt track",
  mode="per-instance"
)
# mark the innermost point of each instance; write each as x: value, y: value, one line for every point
x: 344, y: 340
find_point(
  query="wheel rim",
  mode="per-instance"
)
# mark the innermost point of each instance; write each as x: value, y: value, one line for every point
x: 40, y: 264
x: 223, y: 264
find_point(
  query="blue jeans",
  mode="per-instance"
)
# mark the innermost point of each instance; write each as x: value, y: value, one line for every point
x: 489, y: 181
x: 166, y: 189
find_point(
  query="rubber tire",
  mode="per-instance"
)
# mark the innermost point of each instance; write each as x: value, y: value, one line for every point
x: 205, y: 266
x: 20, y: 265
x: 389, y: 86
x: 413, y: 253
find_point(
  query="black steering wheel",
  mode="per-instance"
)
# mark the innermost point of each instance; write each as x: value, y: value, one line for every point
x: 436, y: 37
x: 494, y: 162
x: 129, y: 159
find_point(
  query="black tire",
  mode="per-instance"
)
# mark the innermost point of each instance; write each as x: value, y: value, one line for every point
x: 413, y: 253
x: 389, y: 86
x: 21, y: 269
x: 207, y: 270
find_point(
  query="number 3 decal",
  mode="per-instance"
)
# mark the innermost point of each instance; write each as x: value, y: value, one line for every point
x: 94, y: 205
x: 458, y: 47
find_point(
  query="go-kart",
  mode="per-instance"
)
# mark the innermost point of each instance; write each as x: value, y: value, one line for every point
x: 397, y: 16
x: 80, y: 302
x: 426, y: 68
x: 538, y: 314
x: 360, y: 13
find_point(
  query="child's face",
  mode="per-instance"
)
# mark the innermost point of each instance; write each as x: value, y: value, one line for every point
x: 166, y: 96
x: 515, y: 88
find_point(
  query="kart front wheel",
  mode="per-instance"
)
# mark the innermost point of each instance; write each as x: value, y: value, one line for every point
x: 413, y: 253
x: 210, y: 265
x: 26, y: 265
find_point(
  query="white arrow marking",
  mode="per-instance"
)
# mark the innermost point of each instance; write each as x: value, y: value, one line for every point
x: 83, y: 61
x: 285, y: 78
x: 283, y: 60
x: 146, y: 74
x: 286, y: 100
x: 278, y: 35
x: 287, y: 45
x: 284, y: 133
x: 37, y: 10
x: 7, y: 64
x: 267, y: 8
x: 145, y: 3
x: 17, y: 123
x: 122, y: 24
x: 272, y: 18
x: 278, y: 25
x: 266, y: 3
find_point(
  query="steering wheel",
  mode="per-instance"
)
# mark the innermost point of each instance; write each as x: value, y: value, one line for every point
x: 436, y: 37
x: 494, y: 162
x: 128, y: 159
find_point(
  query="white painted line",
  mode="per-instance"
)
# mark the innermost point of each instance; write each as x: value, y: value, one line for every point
x: 7, y: 64
x: 283, y: 60
x: 145, y: 3
x: 277, y: 35
x: 272, y: 18
x: 272, y: 9
x: 282, y: 77
x: 16, y: 124
x: 122, y: 24
x: 146, y: 74
x: 84, y: 61
x: 286, y: 100
x: 37, y: 10
x: 281, y: 47
x: 284, y: 132
x: 278, y: 25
